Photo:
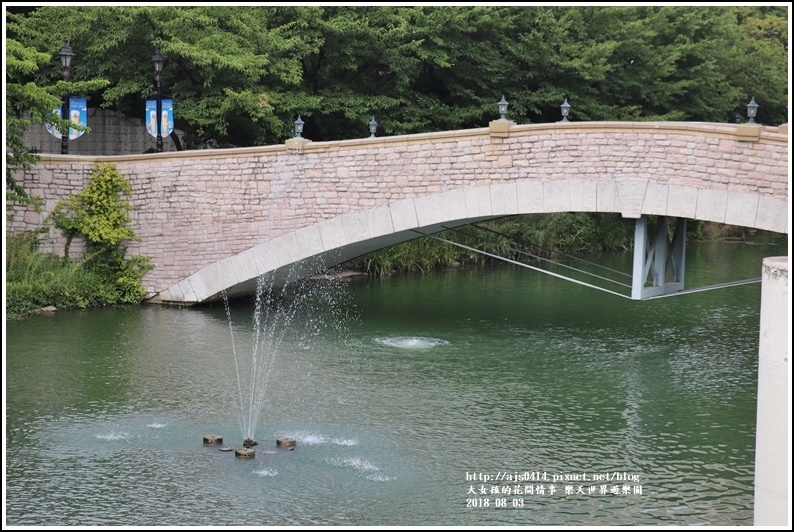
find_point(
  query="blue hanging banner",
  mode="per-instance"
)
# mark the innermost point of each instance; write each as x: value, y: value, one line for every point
x: 167, y: 117
x: 78, y: 114
x: 151, y: 117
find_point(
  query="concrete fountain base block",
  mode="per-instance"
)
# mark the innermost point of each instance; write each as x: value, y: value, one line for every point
x: 244, y: 452
x: 213, y: 440
x: 286, y: 443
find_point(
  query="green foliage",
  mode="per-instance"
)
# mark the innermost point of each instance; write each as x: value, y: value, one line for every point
x: 240, y: 75
x: 419, y: 255
x: 123, y: 276
x: 99, y: 212
x: 27, y: 93
x: 698, y: 230
x: 35, y: 279
x: 542, y: 235
x: 21, y: 61
x: 539, y: 235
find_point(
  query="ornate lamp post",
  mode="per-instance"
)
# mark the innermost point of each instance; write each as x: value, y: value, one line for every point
x: 373, y: 127
x: 298, y: 127
x: 752, y: 110
x: 159, y: 61
x: 66, y: 55
x: 502, y: 107
x: 565, y: 109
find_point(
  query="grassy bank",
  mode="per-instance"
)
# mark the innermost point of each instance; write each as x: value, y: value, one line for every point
x: 35, y: 279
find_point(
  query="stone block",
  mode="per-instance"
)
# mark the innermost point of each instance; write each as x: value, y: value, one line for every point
x: 607, y: 199
x: 379, y: 221
x: 557, y: 196
x: 584, y: 195
x: 309, y: 241
x: 655, y: 201
x: 332, y: 233
x: 478, y: 201
x: 500, y: 128
x: 748, y: 132
x: 529, y: 196
x: 265, y: 257
x: 244, y: 266
x: 631, y: 194
x: 773, y: 215
x: 403, y: 215
x: 356, y: 227
x: 741, y: 209
x: 198, y: 287
x: 503, y: 199
x: 286, y: 249
x: 439, y: 208
x: 711, y: 205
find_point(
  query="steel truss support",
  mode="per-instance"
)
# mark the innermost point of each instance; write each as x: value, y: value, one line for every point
x: 662, y: 258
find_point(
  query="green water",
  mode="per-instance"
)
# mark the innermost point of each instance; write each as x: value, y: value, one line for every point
x: 409, y: 397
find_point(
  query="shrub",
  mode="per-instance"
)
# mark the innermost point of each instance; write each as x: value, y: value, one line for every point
x: 102, y: 276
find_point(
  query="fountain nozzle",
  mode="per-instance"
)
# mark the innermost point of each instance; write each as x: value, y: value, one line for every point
x: 248, y: 443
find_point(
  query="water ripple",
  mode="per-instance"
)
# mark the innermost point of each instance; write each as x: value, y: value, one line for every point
x: 357, y: 463
x: 410, y: 342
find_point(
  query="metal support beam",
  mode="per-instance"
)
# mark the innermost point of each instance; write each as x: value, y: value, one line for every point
x: 658, y: 256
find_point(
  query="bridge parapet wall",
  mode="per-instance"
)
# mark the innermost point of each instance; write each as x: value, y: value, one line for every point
x: 195, y: 208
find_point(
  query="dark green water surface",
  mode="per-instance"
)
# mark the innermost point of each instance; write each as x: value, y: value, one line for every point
x: 473, y: 396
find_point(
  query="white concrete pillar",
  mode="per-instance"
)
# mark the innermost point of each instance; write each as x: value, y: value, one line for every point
x: 772, y: 427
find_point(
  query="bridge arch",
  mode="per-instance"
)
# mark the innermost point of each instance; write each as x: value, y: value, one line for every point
x: 316, y: 247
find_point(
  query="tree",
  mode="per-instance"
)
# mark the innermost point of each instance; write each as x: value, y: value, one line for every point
x: 21, y: 61
x: 29, y: 101
x: 685, y: 63
x: 756, y: 67
x: 99, y: 212
x: 240, y: 75
x: 225, y: 66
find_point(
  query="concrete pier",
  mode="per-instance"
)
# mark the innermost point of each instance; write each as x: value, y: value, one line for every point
x: 772, y: 483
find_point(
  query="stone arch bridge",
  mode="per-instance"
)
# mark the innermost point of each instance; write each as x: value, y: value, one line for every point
x: 216, y: 220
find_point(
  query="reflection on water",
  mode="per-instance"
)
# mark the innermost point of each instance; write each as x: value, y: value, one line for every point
x: 554, y: 403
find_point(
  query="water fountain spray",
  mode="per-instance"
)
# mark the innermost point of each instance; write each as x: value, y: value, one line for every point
x: 275, y: 311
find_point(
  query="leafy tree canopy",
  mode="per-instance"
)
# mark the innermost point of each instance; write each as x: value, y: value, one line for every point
x: 28, y: 100
x: 240, y: 75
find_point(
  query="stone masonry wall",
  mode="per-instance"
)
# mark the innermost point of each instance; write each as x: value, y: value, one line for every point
x: 194, y: 208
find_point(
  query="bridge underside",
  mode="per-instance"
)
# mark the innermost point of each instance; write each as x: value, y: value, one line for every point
x: 323, y: 261
x: 658, y: 271
x: 316, y: 248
